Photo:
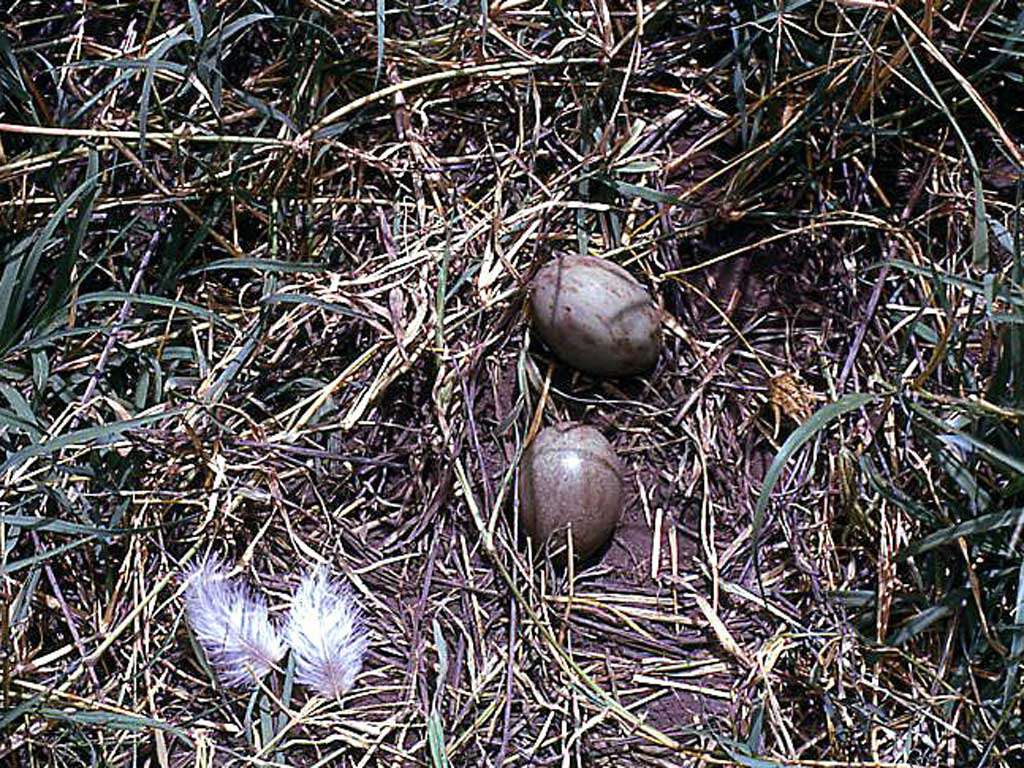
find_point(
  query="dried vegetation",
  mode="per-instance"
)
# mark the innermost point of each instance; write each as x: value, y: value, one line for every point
x: 262, y: 274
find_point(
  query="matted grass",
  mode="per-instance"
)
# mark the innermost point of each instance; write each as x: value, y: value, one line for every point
x: 262, y: 281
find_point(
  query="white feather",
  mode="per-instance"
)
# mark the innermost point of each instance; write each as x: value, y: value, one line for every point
x: 326, y: 635
x: 231, y: 624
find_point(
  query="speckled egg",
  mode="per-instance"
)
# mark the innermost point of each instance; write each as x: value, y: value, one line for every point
x: 570, y: 477
x: 596, y: 317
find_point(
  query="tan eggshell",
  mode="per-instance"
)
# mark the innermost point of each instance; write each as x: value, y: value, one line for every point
x: 570, y: 476
x: 596, y: 317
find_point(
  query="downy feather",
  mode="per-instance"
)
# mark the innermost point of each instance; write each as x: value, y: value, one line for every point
x: 325, y: 634
x: 231, y: 624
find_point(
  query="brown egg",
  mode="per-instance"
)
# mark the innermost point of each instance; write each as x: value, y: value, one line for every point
x: 596, y: 317
x: 570, y: 477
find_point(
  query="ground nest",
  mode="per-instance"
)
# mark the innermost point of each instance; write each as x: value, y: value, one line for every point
x: 264, y: 282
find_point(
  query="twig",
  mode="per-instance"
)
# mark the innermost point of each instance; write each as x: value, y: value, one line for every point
x: 122, y: 317
x: 876, y: 292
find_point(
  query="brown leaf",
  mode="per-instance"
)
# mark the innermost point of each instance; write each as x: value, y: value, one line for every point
x: 790, y: 395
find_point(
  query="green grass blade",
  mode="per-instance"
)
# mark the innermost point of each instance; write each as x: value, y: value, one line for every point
x: 968, y: 528
x: 1017, y: 644
x: 801, y: 435
x: 105, y: 432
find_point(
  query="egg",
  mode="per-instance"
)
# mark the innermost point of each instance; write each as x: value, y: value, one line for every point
x: 570, y: 478
x: 596, y: 317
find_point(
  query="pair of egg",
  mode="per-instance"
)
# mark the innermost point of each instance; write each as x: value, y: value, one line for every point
x: 597, y: 318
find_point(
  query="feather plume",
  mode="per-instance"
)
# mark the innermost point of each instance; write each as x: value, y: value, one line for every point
x: 231, y: 624
x: 325, y: 634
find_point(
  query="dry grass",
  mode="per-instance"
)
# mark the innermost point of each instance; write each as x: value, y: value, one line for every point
x: 261, y: 294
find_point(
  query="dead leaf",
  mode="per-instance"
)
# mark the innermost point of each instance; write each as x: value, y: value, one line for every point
x: 722, y: 632
x: 788, y: 394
